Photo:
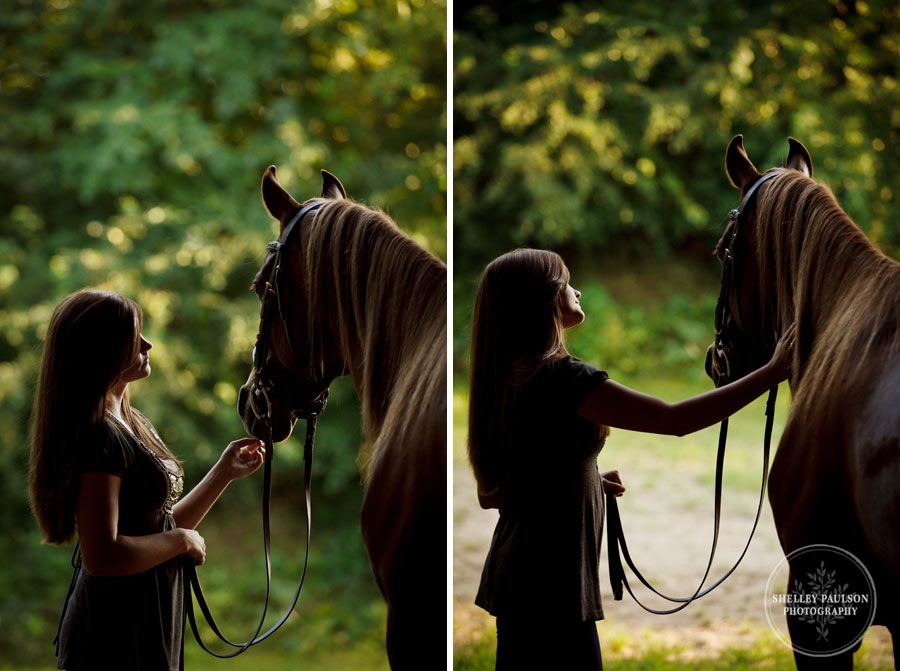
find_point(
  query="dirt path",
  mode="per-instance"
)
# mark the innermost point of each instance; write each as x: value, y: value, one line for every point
x: 668, y: 540
x: 669, y: 531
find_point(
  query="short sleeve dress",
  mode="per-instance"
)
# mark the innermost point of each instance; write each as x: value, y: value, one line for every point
x: 128, y: 622
x: 545, y: 553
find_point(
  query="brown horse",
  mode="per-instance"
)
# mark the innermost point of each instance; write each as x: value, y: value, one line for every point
x: 357, y: 296
x: 794, y: 256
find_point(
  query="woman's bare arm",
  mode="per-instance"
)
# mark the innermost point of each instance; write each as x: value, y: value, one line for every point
x: 105, y: 552
x: 616, y: 405
x: 241, y: 458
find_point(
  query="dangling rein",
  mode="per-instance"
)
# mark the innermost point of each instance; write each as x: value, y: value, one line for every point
x: 311, y: 412
x: 190, y: 570
x: 616, y: 536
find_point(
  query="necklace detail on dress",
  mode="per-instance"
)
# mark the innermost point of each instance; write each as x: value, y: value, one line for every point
x: 174, y: 480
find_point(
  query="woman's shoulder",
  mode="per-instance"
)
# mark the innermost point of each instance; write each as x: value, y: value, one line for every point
x: 107, y: 448
x: 571, y: 367
x: 567, y: 380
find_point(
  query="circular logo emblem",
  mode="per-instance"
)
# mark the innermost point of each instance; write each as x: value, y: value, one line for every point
x: 820, y: 600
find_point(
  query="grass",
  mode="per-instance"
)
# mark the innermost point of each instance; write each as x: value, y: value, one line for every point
x: 747, y: 648
x: 267, y: 657
x: 353, y: 656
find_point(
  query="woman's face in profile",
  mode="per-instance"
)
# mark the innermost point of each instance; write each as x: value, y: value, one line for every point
x: 141, y: 367
x: 572, y: 314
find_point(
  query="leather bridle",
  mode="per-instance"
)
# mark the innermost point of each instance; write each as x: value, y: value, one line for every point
x: 262, y: 391
x: 729, y: 328
x: 725, y: 348
x: 263, y: 387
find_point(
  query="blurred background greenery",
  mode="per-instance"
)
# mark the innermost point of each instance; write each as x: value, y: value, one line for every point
x: 133, y: 136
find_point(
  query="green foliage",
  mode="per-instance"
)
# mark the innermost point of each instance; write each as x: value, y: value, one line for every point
x: 635, y: 338
x: 133, y: 137
x: 595, y: 126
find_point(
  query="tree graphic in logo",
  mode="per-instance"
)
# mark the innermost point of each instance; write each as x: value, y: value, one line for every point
x: 823, y: 589
x: 820, y: 600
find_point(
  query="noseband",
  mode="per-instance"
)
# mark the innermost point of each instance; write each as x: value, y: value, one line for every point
x: 725, y: 336
x: 263, y: 389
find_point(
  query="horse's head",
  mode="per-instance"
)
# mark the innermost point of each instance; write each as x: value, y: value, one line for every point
x: 293, y: 360
x: 745, y: 329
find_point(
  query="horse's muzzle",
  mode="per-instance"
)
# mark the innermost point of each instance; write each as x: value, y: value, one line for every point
x: 261, y: 415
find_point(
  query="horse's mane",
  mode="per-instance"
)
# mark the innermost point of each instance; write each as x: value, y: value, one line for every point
x: 826, y: 276
x: 385, y: 297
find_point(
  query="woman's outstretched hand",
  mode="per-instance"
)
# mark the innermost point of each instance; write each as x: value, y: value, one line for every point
x: 242, y: 457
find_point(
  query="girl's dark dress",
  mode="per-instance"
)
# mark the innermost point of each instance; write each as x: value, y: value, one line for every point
x: 128, y: 622
x: 543, y: 563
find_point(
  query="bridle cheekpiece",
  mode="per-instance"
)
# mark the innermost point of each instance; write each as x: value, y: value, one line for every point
x: 263, y: 388
x: 719, y: 362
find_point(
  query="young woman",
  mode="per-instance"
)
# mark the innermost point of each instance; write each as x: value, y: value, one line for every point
x: 97, y: 467
x: 538, y: 418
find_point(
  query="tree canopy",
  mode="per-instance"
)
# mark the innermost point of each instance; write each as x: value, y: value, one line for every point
x: 603, y: 125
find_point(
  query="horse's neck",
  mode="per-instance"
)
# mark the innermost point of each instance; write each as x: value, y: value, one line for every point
x: 828, y: 278
x: 405, y: 326
x: 839, y: 279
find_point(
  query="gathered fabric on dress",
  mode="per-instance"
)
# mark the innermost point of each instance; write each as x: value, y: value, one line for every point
x: 130, y: 622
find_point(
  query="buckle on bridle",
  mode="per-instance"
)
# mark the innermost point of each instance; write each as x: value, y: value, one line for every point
x: 261, y: 391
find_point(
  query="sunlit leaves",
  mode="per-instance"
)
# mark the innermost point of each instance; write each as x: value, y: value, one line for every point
x: 608, y: 122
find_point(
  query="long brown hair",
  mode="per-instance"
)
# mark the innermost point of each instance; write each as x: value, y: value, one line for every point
x: 517, y: 327
x: 93, y: 336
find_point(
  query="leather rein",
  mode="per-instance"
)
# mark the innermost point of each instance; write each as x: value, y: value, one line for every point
x: 618, y: 548
x: 260, y: 403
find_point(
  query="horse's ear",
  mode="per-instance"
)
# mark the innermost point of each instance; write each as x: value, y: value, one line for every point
x: 279, y: 203
x: 332, y: 187
x: 738, y: 166
x: 799, y: 158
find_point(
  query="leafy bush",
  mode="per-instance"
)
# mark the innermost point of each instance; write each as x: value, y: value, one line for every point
x: 604, y: 124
